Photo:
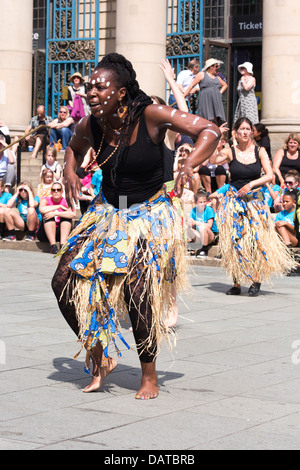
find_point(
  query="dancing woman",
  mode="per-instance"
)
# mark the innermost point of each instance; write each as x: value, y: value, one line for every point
x: 250, y: 247
x: 123, y: 255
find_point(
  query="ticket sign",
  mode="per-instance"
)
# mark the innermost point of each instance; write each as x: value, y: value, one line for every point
x: 245, y: 27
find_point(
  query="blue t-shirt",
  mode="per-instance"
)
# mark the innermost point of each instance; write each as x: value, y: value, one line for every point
x: 268, y: 197
x: 5, y: 197
x: 286, y: 217
x: 204, y: 217
x: 96, y: 181
x: 22, y: 207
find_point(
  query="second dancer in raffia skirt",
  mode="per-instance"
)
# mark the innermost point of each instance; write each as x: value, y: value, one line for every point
x: 250, y: 248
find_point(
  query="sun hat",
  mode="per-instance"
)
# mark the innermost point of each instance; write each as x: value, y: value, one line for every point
x: 77, y: 74
x: 246, y: 65
x: 211, y: 62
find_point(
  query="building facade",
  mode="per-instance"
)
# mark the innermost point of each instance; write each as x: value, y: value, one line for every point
x: 42, y: 42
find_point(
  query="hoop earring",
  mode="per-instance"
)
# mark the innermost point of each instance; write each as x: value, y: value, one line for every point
x: 122, y: 111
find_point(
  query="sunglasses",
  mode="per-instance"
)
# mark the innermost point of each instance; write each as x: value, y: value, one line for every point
x: 289, y: 182
x: 23, y: 189
x: 56, y: 190
x: 62, y: 112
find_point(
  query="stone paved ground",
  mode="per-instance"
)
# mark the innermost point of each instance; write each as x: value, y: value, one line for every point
x: 232, y: 383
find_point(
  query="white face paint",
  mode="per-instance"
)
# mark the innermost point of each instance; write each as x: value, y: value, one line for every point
x: 112, y: 92
x: 98, y: 79
x: 102, y: 79
x: 108, y: 97
x: 107, y: 84
x: 93, y: 82
x: 105, y: 103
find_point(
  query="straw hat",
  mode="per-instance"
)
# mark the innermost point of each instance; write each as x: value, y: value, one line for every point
x: 211, y: 62
x: 77, y: 74
x: 246, y: 65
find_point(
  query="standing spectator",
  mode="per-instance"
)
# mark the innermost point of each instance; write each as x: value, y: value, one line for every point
x: 285, y: 219
x: 261, y: 136
x: 184, y: 79
x: 27, y: 217
x: 212, y: 87
x: 4, y: 198
x: 7, y: 165
x: 57, y: 218
x: 52, y: 164
x: 62, y: 128
x: 36, y: 139
x: 287, y: 158
x: 247, y: 103
x: 77, y: 97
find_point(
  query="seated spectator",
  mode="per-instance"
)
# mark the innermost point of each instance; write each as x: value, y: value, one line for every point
x: 202, y: 227
x: 96, y: 182
x: 7, y: 165
x: 41, y: 136
x: 181, y: 154
x: 182, y: 139
x: 27, y: 216
x: 209, y: 172
x: 215, y: 197
x: 57, y: 218
x: 291, y: 181
x: 271, y: 192
x: 52, y: 164
x: 287, y: 158
x: 285, y: 220
x: 62, y: 128
x: 44, y: 188
x: 4, y: 130
x: 4, y: 198
x: 261, y: 137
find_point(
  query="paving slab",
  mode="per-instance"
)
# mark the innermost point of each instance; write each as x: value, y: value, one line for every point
x: 231, y: 383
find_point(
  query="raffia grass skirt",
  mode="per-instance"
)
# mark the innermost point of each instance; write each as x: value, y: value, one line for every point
x: 250, y: 247
x: 117, y: 246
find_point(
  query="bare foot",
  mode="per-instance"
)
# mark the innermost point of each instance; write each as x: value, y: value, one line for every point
x: 149, y: 388
x: 99, y: 376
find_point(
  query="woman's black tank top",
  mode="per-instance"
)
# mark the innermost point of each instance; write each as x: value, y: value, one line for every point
x: 287, y: 164
x: 140, y: 172
x: 242, y: 174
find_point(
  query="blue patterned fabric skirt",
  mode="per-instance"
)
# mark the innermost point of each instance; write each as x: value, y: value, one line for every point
x: 110, y: 255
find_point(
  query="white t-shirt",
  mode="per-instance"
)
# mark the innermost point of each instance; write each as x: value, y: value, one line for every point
x: 185, y: 78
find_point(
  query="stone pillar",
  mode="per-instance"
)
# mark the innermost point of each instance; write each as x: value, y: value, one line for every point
x: 281, y: 69
x: 141, y: 38
x: 16, y: 64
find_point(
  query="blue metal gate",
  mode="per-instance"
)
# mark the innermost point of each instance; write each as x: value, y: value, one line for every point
x: 184, y: 32
x: 72, y: 45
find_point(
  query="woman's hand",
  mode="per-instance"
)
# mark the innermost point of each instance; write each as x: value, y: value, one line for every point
x: 244, y: 190
x: 184, y: 178
x: 72, y: 186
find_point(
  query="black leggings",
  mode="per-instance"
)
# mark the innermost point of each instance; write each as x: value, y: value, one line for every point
x: 140, y: 317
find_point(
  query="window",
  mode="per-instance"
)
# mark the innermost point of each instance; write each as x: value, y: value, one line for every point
x: 214, y: 19
x: 39, y: 14
x: 246, y: 7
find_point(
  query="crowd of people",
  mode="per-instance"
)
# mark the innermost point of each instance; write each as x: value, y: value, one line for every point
x: 183, y: 177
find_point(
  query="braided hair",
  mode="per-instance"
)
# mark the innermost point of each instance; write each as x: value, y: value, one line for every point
x: 135, y: 99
